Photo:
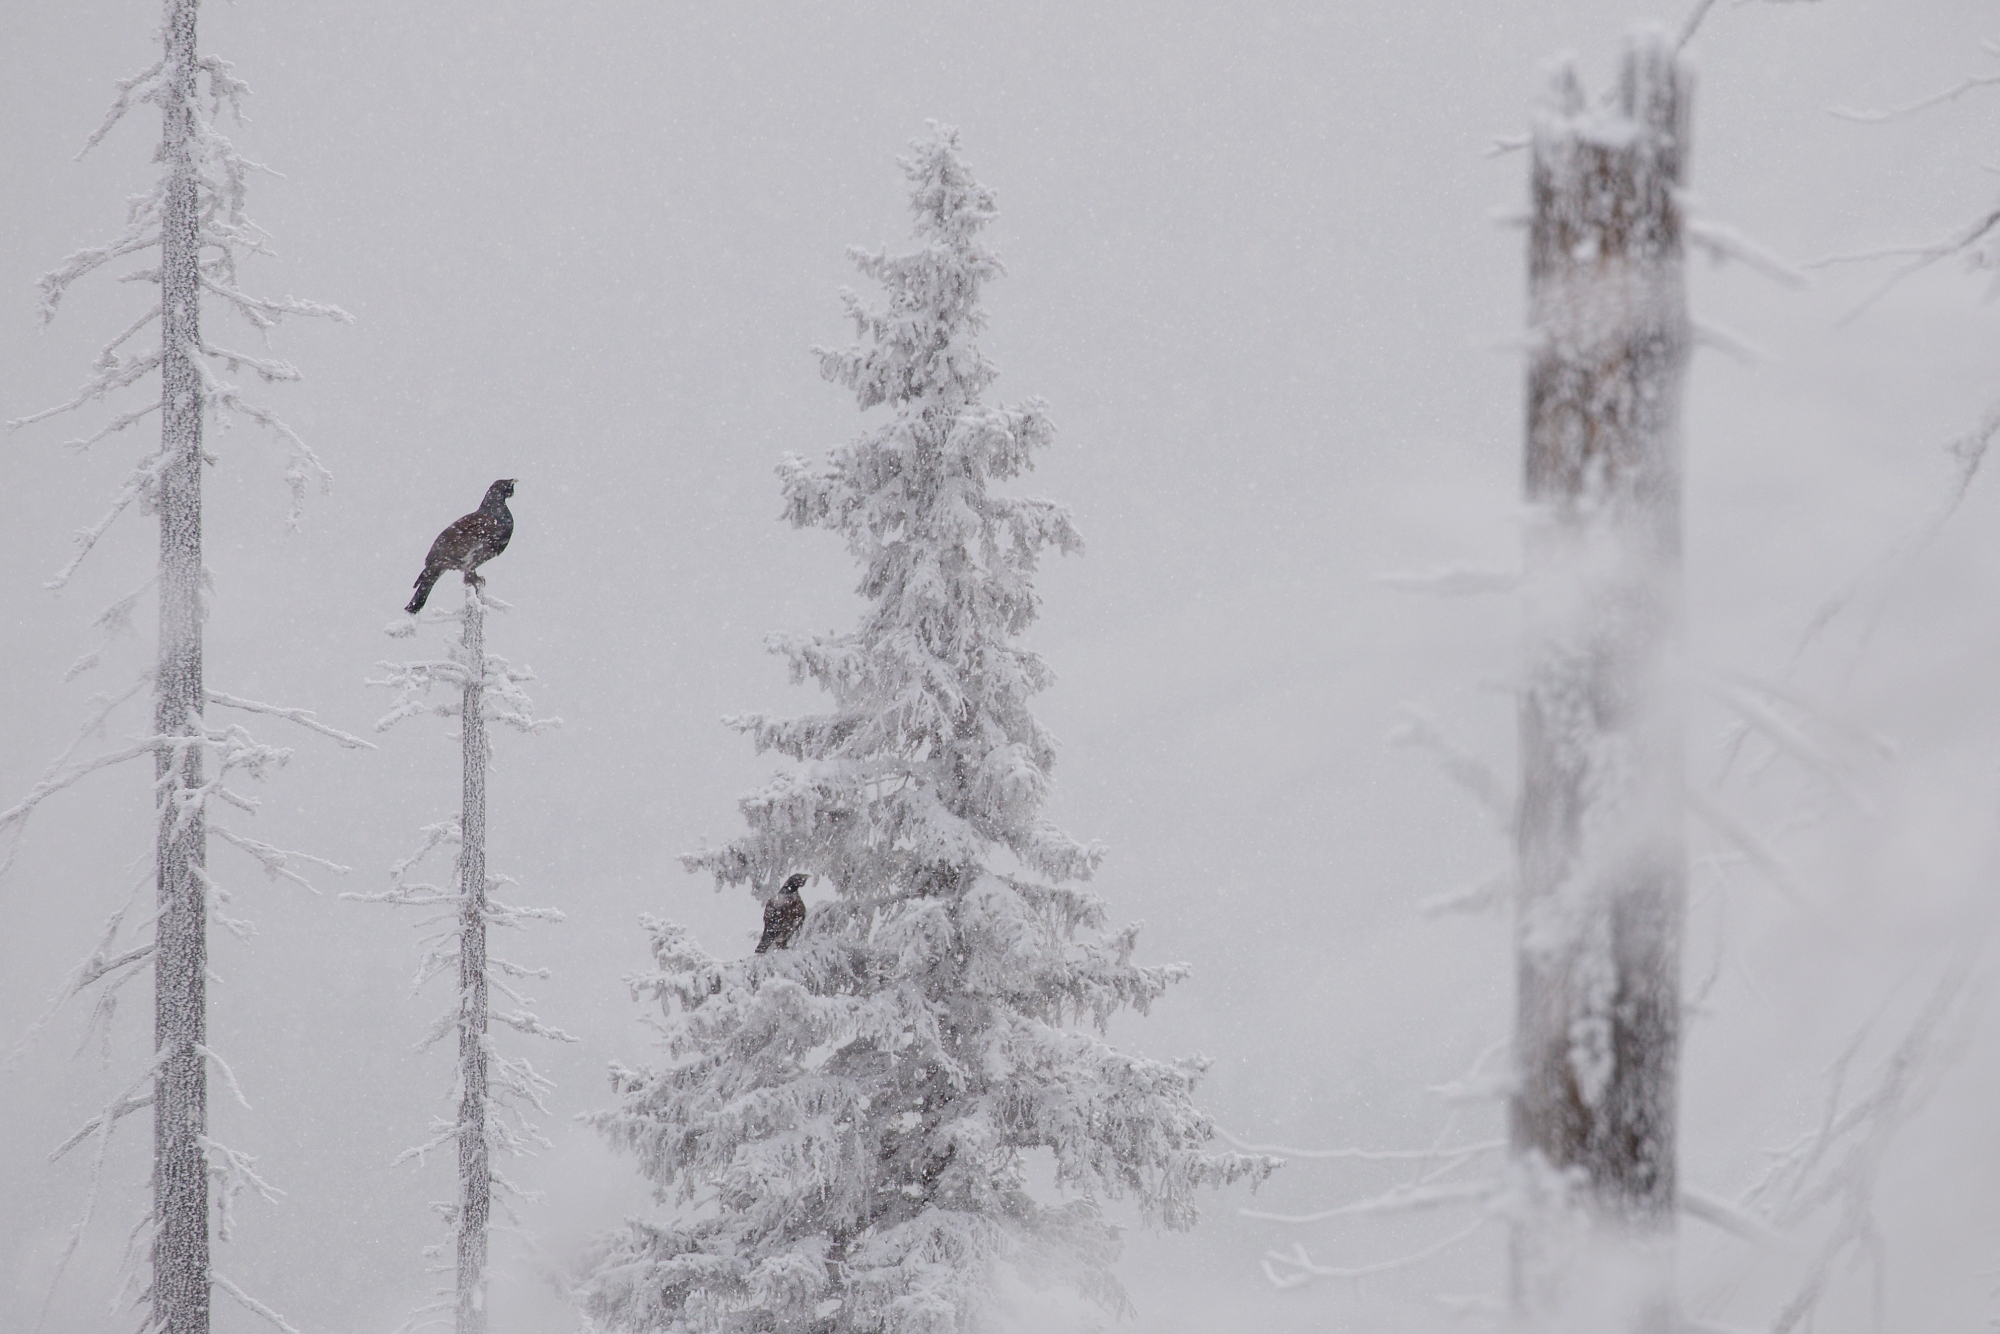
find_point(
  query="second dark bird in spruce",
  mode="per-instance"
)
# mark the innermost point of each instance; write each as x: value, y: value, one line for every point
x: 469, y: 543
x: 784, y: 911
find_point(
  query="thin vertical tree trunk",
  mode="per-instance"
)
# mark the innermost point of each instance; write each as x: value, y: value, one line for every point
x: 1600, y: 857
x: 475, y: 1179
x: 180, y: 1289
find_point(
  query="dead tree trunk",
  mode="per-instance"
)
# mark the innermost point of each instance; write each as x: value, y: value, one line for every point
x: 475, y: 1177
x: 180, y: 1287
x: 1600, y: 858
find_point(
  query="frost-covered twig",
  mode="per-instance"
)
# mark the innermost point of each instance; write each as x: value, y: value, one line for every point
x: 250, y: 1303
x: 1968, y: 453
x: 1951, y: 94
x: 1397, y: 1199
x: 303, y: 717
x: 490, y: 1084
x: 1453, y: 581
x: 1463, y: 1153
x: 1304, y: 1270
x: 1723, y: 242
x: 1419, y: 731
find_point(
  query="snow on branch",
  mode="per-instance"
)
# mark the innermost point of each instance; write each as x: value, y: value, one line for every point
x: 224, y: 234
x: 129, y: 1100
x: 1967, y: 453
x: 1951, y: 94
x: 1300, y: 1269
x: 141, y: 485
x: 1915, y: 257
x: 1405, y: 1198
x: 1753, y: 848
x: 1483, y: 895
x: 113, y: 621
x: 1419, y: 731
x: 249, y: 1303
x: 49, y: 786
x: 303, y: 717
x: 1463, y: 1153
x: 1723, y: 242
x: 1452, y: 581
x: 1835, y: 1166
x: 93, y: 727
x: 277, y: 862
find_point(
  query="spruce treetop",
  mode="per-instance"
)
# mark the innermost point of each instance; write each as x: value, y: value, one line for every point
x: 841, y: 1127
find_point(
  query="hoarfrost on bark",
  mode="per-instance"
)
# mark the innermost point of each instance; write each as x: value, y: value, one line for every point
x: 493, y: 1092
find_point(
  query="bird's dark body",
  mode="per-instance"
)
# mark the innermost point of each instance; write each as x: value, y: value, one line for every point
x: 469, y: 543
x: 784, y: 912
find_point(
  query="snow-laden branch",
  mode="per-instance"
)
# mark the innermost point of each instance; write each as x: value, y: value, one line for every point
x: 1483, y: 895
x: 1452, y: 581
x: 1968, y: 452
x: 1723, y: 242
x: 93, y: 727
x: 228, y: 1075
x: 249, y: 1303
x: 303, y: 717
x: 127, y: 1102
x: 1419, y: 731
x: 1915, y: 258
x: 1397, y: 1199
x: 142, y: 484
x: 1753, y: 848
x: 49, y: 786
x: 1951, y: 94
x: 277, y: 862
x: 1462, y: 1153
x: 1302, y: 1269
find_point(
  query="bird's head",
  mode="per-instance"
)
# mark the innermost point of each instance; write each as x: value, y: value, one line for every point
x: 500, y: 490
x: 796, y: 882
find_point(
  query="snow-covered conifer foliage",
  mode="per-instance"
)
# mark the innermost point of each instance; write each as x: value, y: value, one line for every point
x: 490, y: 1085
x: 843, y: 1128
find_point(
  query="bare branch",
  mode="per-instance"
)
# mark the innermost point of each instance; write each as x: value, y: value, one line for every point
x: 1723, y: 242
x: 1304, y: 1270
x: 1463, y: 1153
x: 48, y: 787
x: 1953, y: 93
x: 1453, y: 581
x: 250, y: 1303
x: 1397, y: 1199
x: 303, y: 717
x: 1418, y: 731
x: 139, y: 485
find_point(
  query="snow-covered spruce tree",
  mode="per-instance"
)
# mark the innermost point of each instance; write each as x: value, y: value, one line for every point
x: 843, y: 1127
x: 192, y: 221
x: 1601, y: 865
x: 490, y: 1086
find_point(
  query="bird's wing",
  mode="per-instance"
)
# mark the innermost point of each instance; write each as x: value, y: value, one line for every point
x: 462, y: 539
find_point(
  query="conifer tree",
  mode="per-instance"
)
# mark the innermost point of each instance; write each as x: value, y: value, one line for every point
x: 842, y: 1125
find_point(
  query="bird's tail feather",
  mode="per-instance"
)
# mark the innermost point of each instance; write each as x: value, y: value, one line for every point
x: 425, y: 582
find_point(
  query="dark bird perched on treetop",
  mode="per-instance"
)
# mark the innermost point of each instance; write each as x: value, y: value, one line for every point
x: 469, y: 543
x: 783, y: 912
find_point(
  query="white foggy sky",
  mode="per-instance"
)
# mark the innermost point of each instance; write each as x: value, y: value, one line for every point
x: 1252, y: 269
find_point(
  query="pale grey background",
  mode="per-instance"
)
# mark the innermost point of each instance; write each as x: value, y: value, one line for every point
x: 1254, y: 271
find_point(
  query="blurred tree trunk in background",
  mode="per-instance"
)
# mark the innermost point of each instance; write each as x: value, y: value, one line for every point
x: 1600, y: 855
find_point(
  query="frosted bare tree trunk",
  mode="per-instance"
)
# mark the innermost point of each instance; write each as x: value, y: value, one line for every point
x: 180, y: 1289
x: 1600, y: 859
x: 475, y: 1177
